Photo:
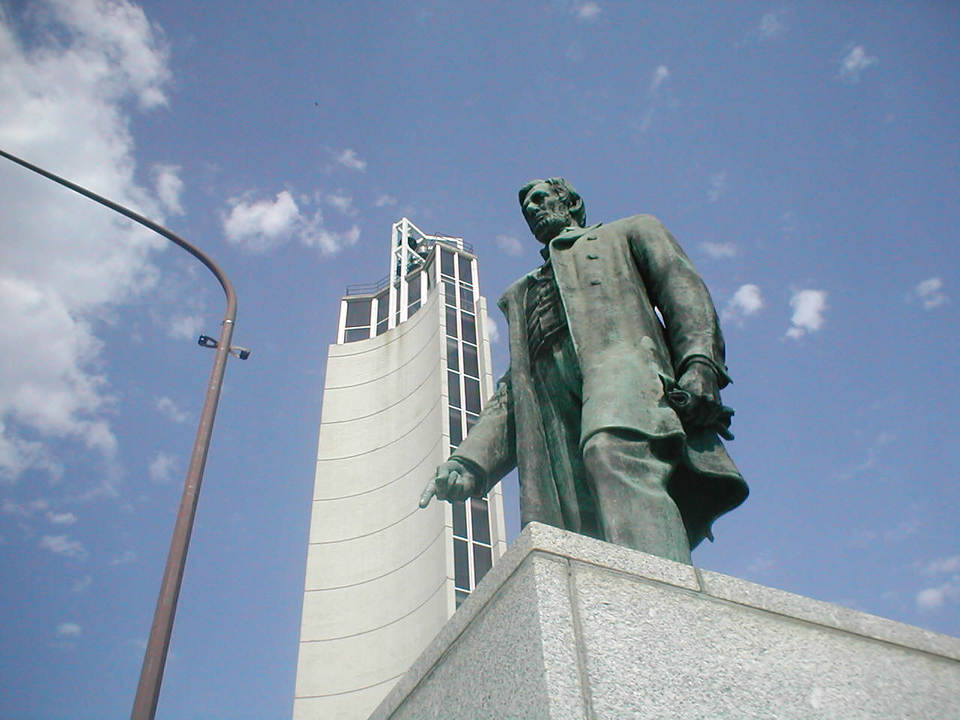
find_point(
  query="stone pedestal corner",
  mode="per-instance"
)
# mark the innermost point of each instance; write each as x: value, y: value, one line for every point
x: 565, y: 627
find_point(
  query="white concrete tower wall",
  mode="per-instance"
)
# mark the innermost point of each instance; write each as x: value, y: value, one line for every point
x: 383, y: 576
x: 376, y: 582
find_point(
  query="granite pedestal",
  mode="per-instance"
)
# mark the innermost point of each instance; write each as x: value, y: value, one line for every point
x: 567, y: 627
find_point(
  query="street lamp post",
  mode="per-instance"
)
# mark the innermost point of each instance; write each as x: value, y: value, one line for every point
x: 155, y: 657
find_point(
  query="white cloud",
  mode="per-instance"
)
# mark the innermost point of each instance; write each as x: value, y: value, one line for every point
x: 719, y: 250
x: 127, y: 556
x: 69, y: 630
x: 746, y: 301
x: 772, y: 24
x: 81, y: 584
x: 261, y: 225
x: 67, y: 518
x: 587, y: 11
x: 168, y: 184
x: 342, y: 202
x: 854, y: 63
x: 943, y: 565
x: 327, y: 241
x: 509, y: 244
x: 808, y: 309
x: 929, y: 292
x: 659, y: 76
x: 66, y: 261
x: 184, y: 327
x: 24, y: 510
x: 933, y: 598
x: 63, y: 545
x: 349, y: 159
x: 718, y: 186
x: 168, y: 408
x: 161, y: 468
x: 493, y: 332
x: 385, y: 200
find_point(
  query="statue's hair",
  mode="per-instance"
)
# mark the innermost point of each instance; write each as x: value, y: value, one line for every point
x: 570, y: 197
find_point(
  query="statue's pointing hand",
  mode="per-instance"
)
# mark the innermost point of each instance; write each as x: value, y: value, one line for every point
x: 451, y: 482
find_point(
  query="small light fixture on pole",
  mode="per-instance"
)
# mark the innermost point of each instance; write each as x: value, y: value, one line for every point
x: 155, y: 657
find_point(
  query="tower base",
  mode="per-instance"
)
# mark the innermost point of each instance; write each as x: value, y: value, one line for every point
x: 567, y: 627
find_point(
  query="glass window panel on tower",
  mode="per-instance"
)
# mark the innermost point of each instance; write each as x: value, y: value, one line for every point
x: 470, y: 364
x: 466, y: 299
x: 456, y: 431
x: 460, y: 519
x: 482, y: 561
x: 466, y: 273
x: 358, y: 312
x: 446, y: 262
x: 451, y: 322
x: 479, y: 517
x: 450, y: 294
x: 461, y: 566
x: 453, y: 388
x: 470, y: 328
x: 471, y: 392
x: 453, y: 355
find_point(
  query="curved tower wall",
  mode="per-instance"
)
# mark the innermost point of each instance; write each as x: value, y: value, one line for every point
x: 382, y: 575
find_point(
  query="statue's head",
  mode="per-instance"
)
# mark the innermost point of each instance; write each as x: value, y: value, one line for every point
x: 551, y: 205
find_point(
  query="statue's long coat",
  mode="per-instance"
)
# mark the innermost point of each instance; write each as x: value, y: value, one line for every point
x: 610, y: 278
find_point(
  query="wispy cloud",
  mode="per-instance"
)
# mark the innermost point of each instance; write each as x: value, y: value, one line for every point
x: 69, y: 630
x: 509, y: 244
x: 809, y: 307
x: 342, y: 202
x: 717, y: 186
x: 385, y: 201
x: 854, y: 63
x: 772, y: 24
x: 124, y: 558
x: 947, y: 589
x: 162, y: 467
x: 719, y: 250
x: 493, y: 331
x: 746, y: 301
x: 587, y: 11
x: 82, y: 584
x: 69, y: 90
x: 169, y: 409
x: 169, y: 186
x: 929, y: 293
x: 27, y: 509
x: 63, y: 545
x: 66, y: 518
x: 349, y: 159
x: 658, y: 78
x: 184, y: 327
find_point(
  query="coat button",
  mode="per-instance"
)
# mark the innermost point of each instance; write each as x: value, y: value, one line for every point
x: 594, y: 282
x: 592, y: 256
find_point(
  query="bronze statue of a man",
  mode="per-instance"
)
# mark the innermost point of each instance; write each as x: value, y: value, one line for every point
x: 612, y: 416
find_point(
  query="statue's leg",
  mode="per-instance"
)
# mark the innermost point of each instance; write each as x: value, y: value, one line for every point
x: 630, y: 485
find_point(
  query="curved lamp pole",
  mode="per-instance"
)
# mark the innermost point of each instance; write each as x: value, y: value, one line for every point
x: 151, y: 674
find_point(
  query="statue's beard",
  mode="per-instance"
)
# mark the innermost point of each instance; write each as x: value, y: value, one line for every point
x: 549, y: 225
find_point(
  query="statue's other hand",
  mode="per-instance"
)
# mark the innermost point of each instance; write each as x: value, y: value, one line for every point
x: 451, y: 482
x: 698, y: 403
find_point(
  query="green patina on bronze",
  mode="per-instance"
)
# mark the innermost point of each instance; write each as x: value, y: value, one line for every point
x: 612, y: 417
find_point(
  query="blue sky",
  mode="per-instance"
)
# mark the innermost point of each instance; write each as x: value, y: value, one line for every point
x: 805, y: 154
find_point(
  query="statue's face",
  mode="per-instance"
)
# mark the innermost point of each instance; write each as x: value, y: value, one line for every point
x: 546, y: 213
